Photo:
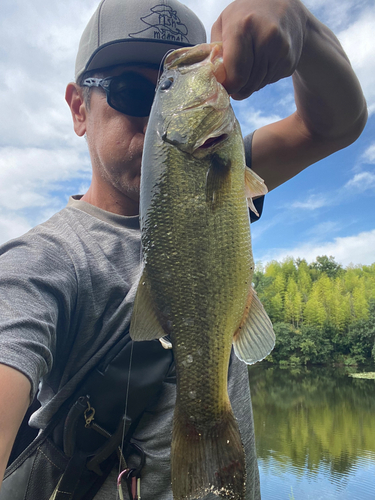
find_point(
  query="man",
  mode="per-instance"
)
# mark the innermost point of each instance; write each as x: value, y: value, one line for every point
x: 70, y: 283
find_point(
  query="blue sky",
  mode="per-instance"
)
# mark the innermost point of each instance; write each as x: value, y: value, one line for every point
x: 327, y: 209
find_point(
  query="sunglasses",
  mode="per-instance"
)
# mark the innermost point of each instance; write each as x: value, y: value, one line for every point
x: 129, y: 93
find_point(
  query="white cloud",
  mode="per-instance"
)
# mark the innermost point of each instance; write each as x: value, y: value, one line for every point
x: 337, y: 14
x: 208, y: 10
x: 356, y: 249
x: 252, y: 119
x: 287, y: 102
x: 369, y: 155
x: 361, y: 182
x: 12, y: 225
x: 36, y: 63
x: 312, y: 203
x: 36, y: 112
x: 27, y: 175
x: 358, y: 42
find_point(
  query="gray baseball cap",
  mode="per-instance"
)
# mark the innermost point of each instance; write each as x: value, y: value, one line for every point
x: 126, y: 31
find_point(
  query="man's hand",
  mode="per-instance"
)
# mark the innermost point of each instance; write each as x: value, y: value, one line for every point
x: 262, y: 42
x: 266, y: 40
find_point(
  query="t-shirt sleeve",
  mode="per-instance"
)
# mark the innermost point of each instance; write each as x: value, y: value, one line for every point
x: 36, y: 290
x: 258, y: 202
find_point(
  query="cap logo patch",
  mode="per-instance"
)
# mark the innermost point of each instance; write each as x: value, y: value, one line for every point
x: 163, y: 24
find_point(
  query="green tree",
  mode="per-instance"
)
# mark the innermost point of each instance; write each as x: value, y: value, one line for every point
x: 304, y: 280
x: 289, y: 269
x: 314, y: 312
x: 327, y: 265
x: 359, y: 301
x: 292, y: 303
x: 317, y: 307
x: 340, y: 309
x: 276, y: 312
x: 321, y: 312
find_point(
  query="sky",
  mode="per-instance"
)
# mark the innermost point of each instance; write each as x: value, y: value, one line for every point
x: 328, y: 209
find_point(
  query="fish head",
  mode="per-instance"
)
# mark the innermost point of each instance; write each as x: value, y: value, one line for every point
x: 192, y: 107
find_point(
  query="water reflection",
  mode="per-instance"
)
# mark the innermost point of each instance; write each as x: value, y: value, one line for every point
x: 315, y: 433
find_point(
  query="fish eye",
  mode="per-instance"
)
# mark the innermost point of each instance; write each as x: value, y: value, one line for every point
x: 166, y: 84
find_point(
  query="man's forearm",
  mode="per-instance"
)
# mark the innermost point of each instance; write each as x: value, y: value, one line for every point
x: 328, y: 95
x: 267, y: 40
x: 14, y: 400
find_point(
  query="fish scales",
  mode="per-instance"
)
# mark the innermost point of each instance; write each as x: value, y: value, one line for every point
x: 198, y: 265
x: 183, y: 265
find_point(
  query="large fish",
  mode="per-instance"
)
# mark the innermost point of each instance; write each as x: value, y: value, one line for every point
x: 198, y: 265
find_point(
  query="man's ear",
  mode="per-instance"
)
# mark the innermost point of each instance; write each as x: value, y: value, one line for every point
x: 74, y: 98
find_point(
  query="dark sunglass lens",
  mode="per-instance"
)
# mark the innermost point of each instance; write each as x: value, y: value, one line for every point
x: 131, y: 94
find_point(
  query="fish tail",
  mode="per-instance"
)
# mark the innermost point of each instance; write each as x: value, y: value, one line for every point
x: 207, y: 460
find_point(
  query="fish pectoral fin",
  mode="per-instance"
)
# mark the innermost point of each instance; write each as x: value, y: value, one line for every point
x: 254, y: 186
x: 255, y: 337
x: 145, y: 324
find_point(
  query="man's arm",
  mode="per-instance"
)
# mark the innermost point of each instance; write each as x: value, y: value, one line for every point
x: 15, y: 399
x: 266, y: 40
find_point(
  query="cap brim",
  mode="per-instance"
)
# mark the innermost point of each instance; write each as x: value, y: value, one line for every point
x: 131, y: 51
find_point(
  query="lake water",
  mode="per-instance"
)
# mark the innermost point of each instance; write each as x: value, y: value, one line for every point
x: 315, y: 433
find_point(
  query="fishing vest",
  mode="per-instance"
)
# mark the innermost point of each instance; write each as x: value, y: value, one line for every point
x: 90, y: 433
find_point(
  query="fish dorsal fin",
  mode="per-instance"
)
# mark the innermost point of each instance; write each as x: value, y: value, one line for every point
x: 145, y: 324
x: 255, y: 337
x: 254, y: 186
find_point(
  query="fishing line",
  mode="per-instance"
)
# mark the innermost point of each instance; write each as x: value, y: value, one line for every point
x: 125, y: 412
x: 162, y: 63
x: 126, y: 399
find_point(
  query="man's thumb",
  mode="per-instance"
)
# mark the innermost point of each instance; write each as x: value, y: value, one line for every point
x: 216, y: 31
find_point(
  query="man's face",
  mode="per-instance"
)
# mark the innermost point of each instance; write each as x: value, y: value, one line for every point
x: 115, y: 141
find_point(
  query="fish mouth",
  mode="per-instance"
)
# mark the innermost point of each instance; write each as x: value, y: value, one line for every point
x: 213, y: 141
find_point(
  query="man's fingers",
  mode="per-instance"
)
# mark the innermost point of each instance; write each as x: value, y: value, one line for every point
x: 216, y: 35
x: 262, y: 42
x: 238, y: 52
x: 238, y: 65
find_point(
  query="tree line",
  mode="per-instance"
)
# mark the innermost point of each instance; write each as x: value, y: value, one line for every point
x: 322, y: 313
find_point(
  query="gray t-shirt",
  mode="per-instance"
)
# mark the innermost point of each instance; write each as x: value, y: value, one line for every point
x: 66, y: 293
